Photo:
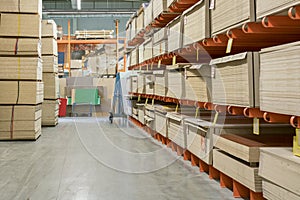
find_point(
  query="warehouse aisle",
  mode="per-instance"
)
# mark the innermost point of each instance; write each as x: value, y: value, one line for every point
x: 89, y: 159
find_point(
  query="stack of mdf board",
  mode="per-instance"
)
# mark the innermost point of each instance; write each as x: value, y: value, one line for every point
x: 160, y: 87
x: 141, y: 112
x: 94, y: 34
x: 196, y: 23
x: 160, y: 42
x: 175, y: 128
x: 134, y: 83
x: 279, y: 169
x: 50, y: 77
x: 141, y: 53
x: 175, y: 81
x: 149, y: 83
x: 237, y: 153
x: 141, y: 83
x: 198, y: 138
x: 128, y: 30
x: 270, y: 7
x: 235, y: 80
x: 134, y: 57
x: 133, y: 28
x: 148, y: 15
x: 174, y: 32
x: 228, y: 14
x: 160, y: 6
x: 21, y: 71
x: 140, y: 18
x: 161, y: 118
x: 150, y: 116
x: 279, y: 79
x: 197, y: 83
x: 148, y: 47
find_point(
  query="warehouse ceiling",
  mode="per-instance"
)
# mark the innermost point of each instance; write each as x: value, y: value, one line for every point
x: 90, y: 6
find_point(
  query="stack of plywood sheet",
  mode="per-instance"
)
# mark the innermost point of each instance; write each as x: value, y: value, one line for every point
x: 133, y: 31
x: 148, y: 47
x: 160, y: 42
x: 197, y: 83
x: 161, y: 118
x: 149, y: 83
x: 228, y: 14
x: 141, y: 83
x: 140, y: 50
x: 237, y: 153
x: 50, y: 77
x: 279, y: 169
x: 134, y: 57
x: 175, y: 128
x: 141, y: 112
x: 279, y: 79
x: 150, y: 116
x: 148, y: 15
x: 198, y: 138
x: 271, y: 7
x: 235, y: 80
x: 174, y: 32
x: 196, y: 23
x: 94, y: 34
x: 140, y: 18
x: 160, y: 87
x: 175, y: 83
x: 160, y: 6
x: 128, y: 30
x: 21, y: 71
x: 134, y: 83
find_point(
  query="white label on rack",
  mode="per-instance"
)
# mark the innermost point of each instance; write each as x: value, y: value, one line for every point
x: 213, y: 71
x: 212, y: 4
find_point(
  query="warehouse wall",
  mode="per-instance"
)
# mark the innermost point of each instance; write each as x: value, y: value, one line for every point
x: 92, y: 23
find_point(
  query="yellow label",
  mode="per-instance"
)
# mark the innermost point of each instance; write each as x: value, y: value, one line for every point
x: 174, y: 60
x: 151, y: 66
x: 197, y: 54
x: 147, y: 67
x: 139, y: 98
x: 216, y: 118
x: 229, y: 45
x: 177, y: 106
x: 256, y: 126
x: 298, y: 137
x: 153, y: 102
x: 158, y: 64
x: 146, y: 102
x: 197, y: 111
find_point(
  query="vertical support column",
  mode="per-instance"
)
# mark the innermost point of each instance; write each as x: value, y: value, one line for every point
x: 69, y: 47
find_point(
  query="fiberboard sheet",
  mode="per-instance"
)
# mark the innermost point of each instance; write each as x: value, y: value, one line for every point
x: 279, y: 79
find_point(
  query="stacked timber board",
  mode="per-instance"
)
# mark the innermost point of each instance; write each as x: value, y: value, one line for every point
x: 149, y: 83
x: 229, y: 14
x: 196, y: 23
x: 21, y: 73
x: 237, y: 153
x: 141, y: 83
x: 134, y: 57
x: 279, y: 169
x: 160, y: 84
x: 148, y: 15
x: 174, y: 32
x: 279, y: 79
x: 235, y: 80
x: 159, y: 7
x: 50, y: 77
x: 148, y: 49
x: 140, y: 17
x: 160, y: 42
x: 271, y: 7
x: 175, y: 81
x: 150, y: 116
x: 161, y: 118
x: 197, y: 83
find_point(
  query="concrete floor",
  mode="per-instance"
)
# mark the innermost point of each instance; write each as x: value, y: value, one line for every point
x: 89, y: 159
